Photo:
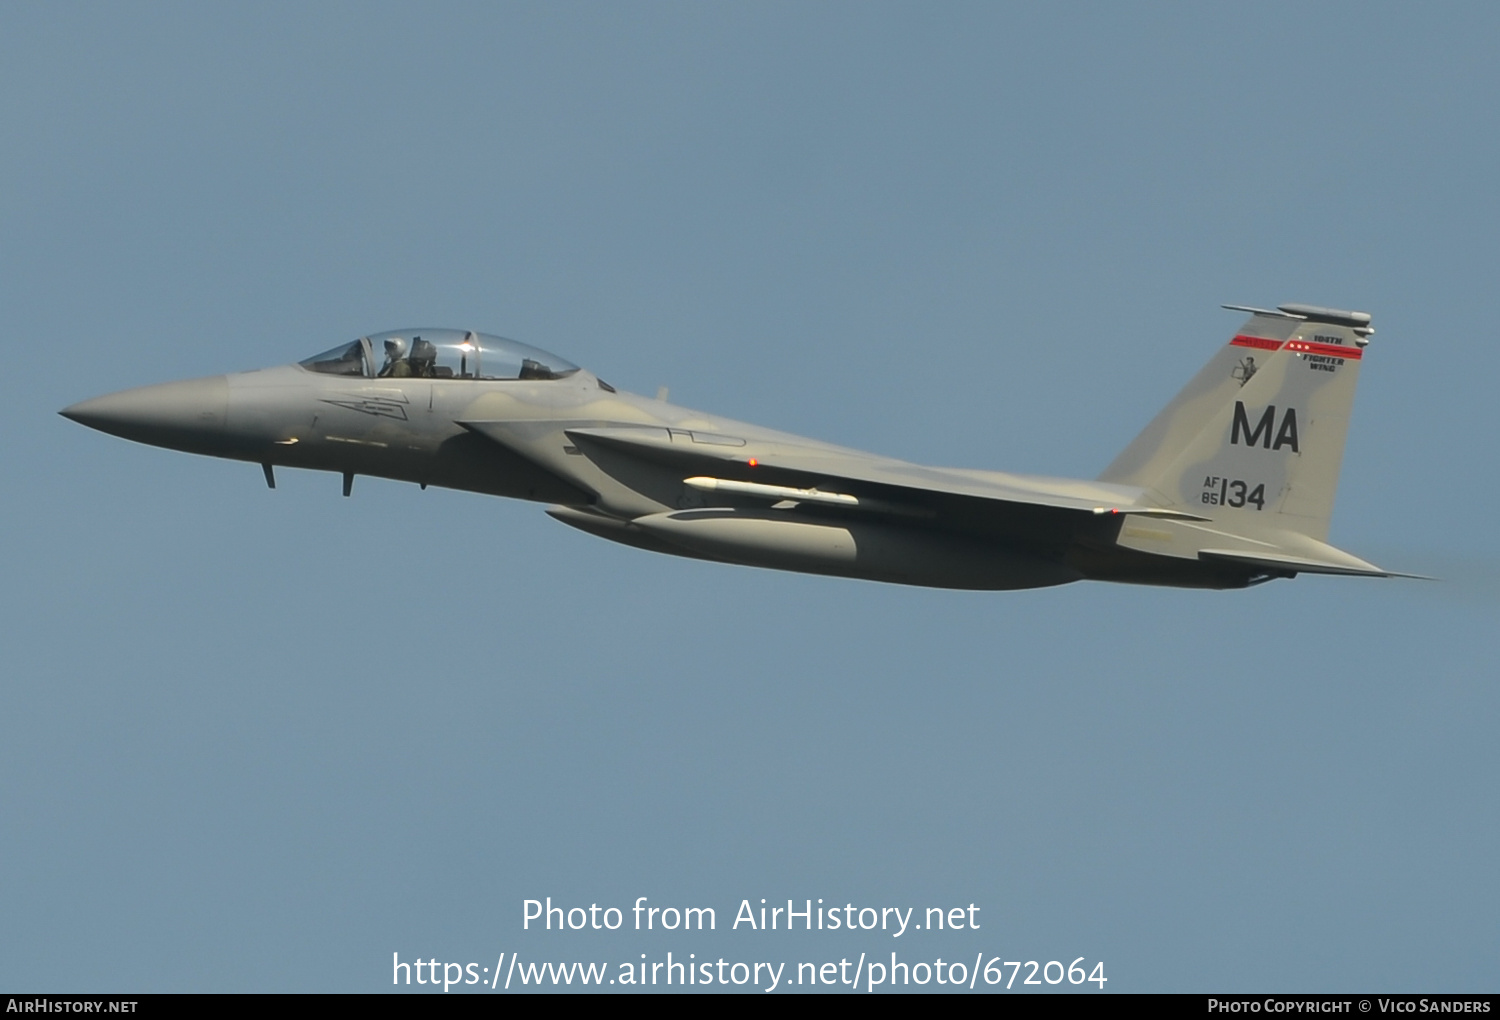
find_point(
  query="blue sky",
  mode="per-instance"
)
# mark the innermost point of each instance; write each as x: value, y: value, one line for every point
x: 260, y: 740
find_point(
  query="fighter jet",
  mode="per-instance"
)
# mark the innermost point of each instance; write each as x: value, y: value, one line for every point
x: 1231, y: 485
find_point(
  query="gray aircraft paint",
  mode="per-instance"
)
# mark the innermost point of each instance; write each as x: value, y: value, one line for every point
x: 1231, y: 484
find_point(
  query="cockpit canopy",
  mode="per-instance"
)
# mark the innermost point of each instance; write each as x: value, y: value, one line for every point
x: 439, y: 354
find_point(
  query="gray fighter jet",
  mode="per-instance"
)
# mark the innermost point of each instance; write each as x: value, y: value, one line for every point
x: 1230, y: 485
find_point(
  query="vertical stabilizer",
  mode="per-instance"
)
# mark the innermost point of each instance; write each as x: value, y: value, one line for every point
x: 1257, y: 438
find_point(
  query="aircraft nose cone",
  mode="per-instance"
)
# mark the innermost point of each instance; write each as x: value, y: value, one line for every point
x: 187, y: 415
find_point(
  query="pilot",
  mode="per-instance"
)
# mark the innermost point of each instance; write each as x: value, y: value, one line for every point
x: 423, y: 357
x: 395, y: 350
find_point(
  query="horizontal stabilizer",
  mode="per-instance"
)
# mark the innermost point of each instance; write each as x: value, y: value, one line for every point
x: 1301, y: 565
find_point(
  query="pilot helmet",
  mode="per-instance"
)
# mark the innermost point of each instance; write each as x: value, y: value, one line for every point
x: 395, y: 347
x: 422, y: 350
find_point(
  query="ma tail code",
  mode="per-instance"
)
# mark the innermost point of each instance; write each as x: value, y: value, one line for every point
x: 1260, y: 435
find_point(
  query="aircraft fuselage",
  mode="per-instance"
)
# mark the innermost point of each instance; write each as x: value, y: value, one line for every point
x: 463, y: 410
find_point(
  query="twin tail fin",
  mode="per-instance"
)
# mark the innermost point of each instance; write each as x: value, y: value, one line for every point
x: 1256, y: 439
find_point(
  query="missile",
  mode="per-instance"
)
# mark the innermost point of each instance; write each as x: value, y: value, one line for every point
x: 703, y: 483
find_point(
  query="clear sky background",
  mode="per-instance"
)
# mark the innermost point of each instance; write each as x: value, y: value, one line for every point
x: 258, y: 740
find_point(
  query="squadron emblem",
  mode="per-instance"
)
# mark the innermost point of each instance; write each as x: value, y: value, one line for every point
x: 1244, y: 370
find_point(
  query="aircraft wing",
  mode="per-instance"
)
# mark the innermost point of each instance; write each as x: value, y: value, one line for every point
x: 833, y: 478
